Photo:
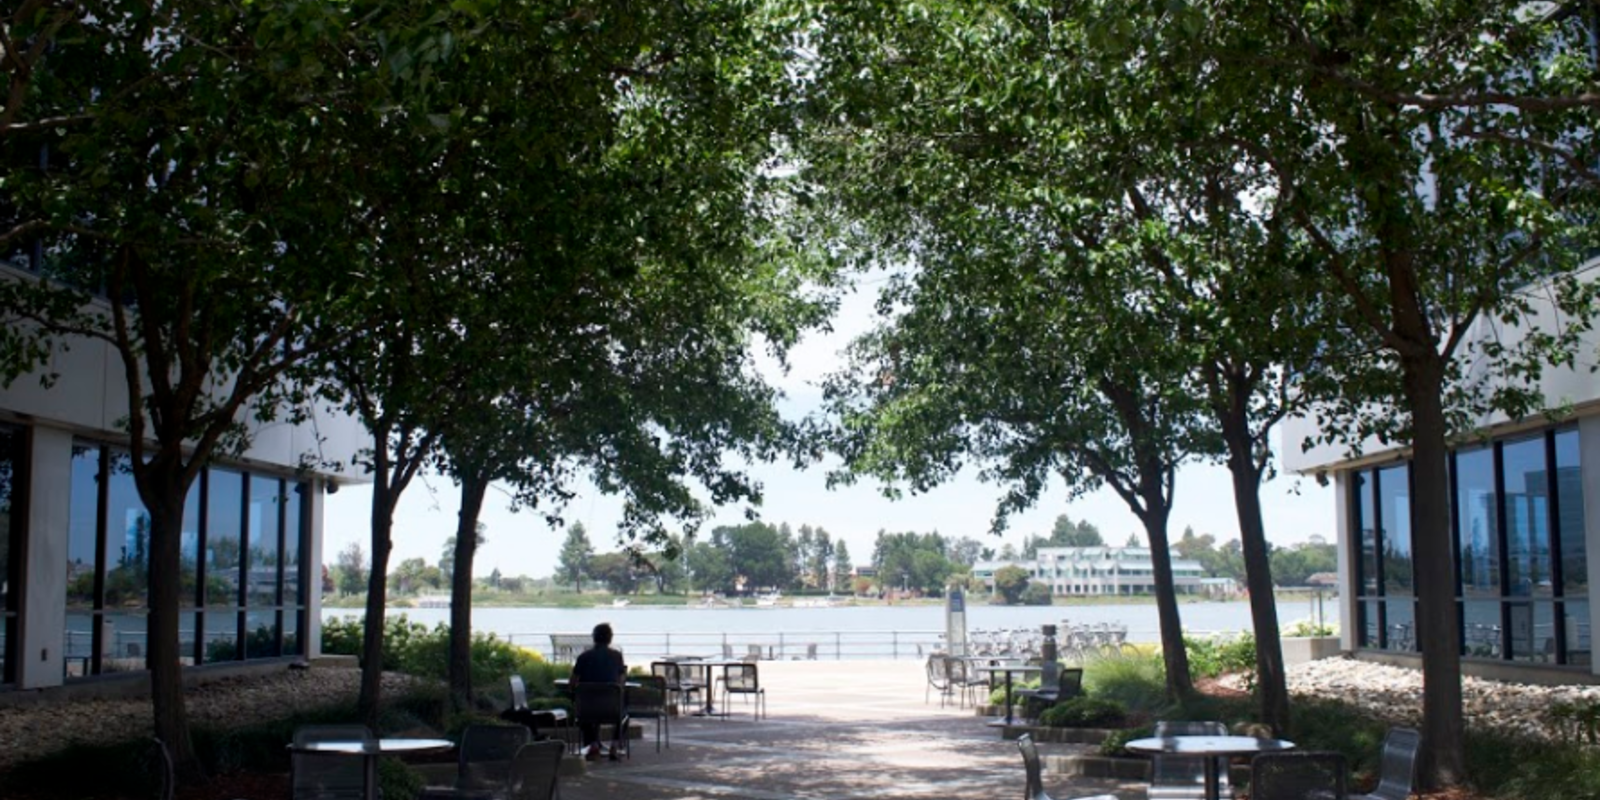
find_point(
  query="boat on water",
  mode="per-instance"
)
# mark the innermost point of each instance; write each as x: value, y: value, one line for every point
x: 433, y: 601
x: 620, y: 602
x: 816, y: 602
x: 768, y: 600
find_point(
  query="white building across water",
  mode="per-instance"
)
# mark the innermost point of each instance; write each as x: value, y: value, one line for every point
x: 1095, y: 571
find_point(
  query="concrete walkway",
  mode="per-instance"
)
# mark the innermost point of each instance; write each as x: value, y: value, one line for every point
x: 850, y: 729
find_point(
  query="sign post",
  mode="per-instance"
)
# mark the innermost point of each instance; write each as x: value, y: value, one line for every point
x: 955, y: 622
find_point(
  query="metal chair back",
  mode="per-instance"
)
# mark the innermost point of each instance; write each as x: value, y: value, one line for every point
x: 1297, y: 775
x: 485, y: 755
x: 744, y: 679
x: 649, y: 701
x: 1184, y: 777
x: 1032, y: 767
x: 601, y: 704
x: 519, y: 693
x: 536, y: 771
x: 1399, y: 770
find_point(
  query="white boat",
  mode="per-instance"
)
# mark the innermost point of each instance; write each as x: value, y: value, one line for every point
x: 433, y: 601
x: 816, y: 602
x: 768, y: 600
x: 620, y: 602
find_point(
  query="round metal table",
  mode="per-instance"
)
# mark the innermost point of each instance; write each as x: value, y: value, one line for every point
x: 1213, y: 747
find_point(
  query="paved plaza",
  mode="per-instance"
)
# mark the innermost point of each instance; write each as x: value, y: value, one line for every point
x: 837, y: 729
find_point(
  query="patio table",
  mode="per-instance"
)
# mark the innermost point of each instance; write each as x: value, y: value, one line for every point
x: 1213, y: 747
x: 370, y: 749
x: 1008, y: 670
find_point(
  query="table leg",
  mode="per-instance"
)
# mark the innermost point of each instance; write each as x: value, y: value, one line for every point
x: 370, y: 764
x: 1008, y: 698
x: 1213, y: 785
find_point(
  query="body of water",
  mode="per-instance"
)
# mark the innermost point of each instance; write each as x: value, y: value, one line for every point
x: 841, y: 632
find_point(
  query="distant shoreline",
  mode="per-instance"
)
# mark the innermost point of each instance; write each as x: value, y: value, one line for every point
x: 571, y: 601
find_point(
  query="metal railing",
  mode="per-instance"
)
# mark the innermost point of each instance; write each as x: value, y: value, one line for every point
x: 641, y: 647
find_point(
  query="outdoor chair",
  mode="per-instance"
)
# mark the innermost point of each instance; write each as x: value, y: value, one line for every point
x: 600, y: 704
x: 327, y: 776
x: 938, y: 678
x: 677, y: 683
x: 483, y: 767
x: 1399, y: 769
x: 649, y: 701
x: 1063, y: 685
x: 1184, y: 777
x: 536, y: 771
x: 520, y: 714
x: 727, y: 651
x: 752, y: 652
x: 1297, y: 775
x: 744, y: 679
x: 1035, y: 772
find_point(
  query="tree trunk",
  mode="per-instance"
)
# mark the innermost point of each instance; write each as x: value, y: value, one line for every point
x: 382, y: 520
x: 1176, y: 659
x: 473, y: 488
x: 1271, y: 686
x: 1443, y: 754
x: 164, y: 500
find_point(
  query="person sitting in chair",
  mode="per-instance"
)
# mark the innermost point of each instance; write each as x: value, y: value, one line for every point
x: 598, y: 664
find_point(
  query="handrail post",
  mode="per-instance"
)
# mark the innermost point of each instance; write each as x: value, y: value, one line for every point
x: 838, y: 646
x: 894, y: 644
x: 780, y: 645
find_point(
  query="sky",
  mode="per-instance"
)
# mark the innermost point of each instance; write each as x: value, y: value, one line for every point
x: 1295, y: 508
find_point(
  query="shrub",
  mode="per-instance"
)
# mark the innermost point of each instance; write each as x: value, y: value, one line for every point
x: 413, y: 648
x: 1115, y: 743
x: 1135, y: 679
x: 1084, y: 712
x: 1306, y: 627
x: 1212, y: 656
x: 1037, y: 594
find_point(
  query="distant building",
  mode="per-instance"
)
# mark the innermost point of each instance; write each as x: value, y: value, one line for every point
x: 1095, y: 571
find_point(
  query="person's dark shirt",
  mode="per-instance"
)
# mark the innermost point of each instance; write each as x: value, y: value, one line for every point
x: 599, y: 665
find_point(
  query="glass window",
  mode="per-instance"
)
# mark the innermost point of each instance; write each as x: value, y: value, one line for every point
x: 291, y: 546
x: 1480, y: 630
x: 291, y: 632
x: 189, y: 551
x: 1477, y: 531
x: 1400, y: 619
x: 1369, y: 622
x: 261, y: 634
x: 222, y: 636
x: 127, y: 538
x: 83, y: 560
x: 1577, y: 622
x: 265, y: 513
x: 1532, y: 631
x: 1367, y: 563
x: 1569, y: 517
x: 1394, y: 525
x: 1527, y: 514
x: 11, y: 463
x: 224, y: 511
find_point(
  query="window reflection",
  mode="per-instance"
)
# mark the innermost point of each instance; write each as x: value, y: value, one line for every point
x: 82, y: 523
x: 266, y: 502
x: 1394, y: 525
x: 1569, y: 517
x: 1527, y: 510
x: 1477, y: 530
x: 127, y: 537
x: 224, y: 510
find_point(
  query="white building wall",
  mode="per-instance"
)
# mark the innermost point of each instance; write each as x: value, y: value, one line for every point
x: 42, y: 626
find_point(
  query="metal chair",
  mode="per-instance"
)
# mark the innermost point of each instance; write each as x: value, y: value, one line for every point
x: 649, y: 701
x: 1066, y: 684
x: 672, y: 672
x: 1297, y: 775
x: 938, y: 678
x: 1399, y: 770
x: 1035, y: 772
x: 1184, y: 777
x: 599, y: 704
x: 483, y: 768
x: 532, y: 719
x: 328, y: 776
x: 744, y: 679
x: 536, y: 771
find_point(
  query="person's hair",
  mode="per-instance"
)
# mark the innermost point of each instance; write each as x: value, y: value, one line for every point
x: 602, y: 634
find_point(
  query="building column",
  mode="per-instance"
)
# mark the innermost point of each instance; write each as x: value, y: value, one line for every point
x: 43, y: 623
x: 1347, y: 540
x: 1589, y: 466
x: 313, y: 633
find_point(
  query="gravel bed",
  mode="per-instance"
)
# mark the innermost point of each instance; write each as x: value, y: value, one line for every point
x: 36, y: 730
x: 1394, y: 694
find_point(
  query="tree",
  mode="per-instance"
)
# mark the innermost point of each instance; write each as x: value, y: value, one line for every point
x: 709, y: 568
x: 617, y: 571
x: 1010, y: 583
x: 821, y: 566
x: 841, y: 562
x: 966, y: 551
x: 666, y: 567
x: 758, y: 553
x: 191, y: 182
x: 1067, y: 533
x: 1428, y: 210
x: 352, y: 562
x: 576, y: 555
x: 447, y: 557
